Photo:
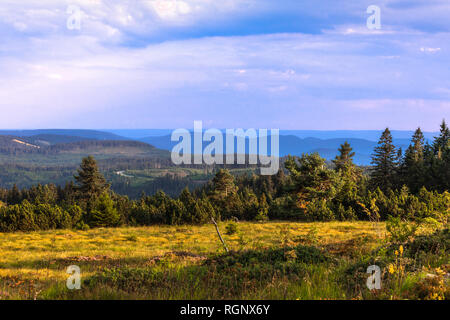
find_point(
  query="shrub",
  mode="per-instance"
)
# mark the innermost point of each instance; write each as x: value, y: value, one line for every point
x: 400, y: 231
x: 318, y: 209
x: 436, y: 243
x: 30, y: 217
x: 80, y: 225
x: 432, y: 287
x: 104, y: 213
x: 231, y: 228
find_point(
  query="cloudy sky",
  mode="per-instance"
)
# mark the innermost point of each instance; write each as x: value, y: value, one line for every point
x: 287, y: 64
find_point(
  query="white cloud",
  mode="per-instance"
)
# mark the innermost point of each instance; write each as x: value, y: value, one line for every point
x: 52, y: 76
x: 430, y: 50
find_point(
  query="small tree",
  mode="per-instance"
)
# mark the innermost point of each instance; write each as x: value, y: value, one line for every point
x: 345, y: 156
x: 90, y: 182
x: 104, y: 214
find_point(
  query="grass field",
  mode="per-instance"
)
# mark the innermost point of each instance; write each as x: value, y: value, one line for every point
x: 273, y: 260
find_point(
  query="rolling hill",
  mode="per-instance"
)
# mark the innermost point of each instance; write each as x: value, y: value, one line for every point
x: 13, y: 145
x: 292, y: 142
x: 293, y: 145
x: 79, y: 133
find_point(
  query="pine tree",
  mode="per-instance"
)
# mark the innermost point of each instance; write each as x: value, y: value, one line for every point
x: 224, y: 195
x: 91, y: 183
x: 263, y: 209
x: 441, y: 143
x: 279, y: 181
x: 384, y: 162
x: 310, y: 176
x: 14, y: 195
x: 223, y: 185
x: 417, y: 145
x: 345, y: 156
x: 440, y: 164
x: 104, y: 213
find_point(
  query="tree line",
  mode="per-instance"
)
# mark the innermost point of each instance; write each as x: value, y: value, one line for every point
x: 408, y: 185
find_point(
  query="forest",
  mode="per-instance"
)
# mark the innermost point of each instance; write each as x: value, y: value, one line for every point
x: 407, y: 185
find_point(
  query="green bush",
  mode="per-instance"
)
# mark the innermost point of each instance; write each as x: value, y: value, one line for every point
x: 30, y: 217
x: 318, y: 210
x: 231, y: 228
x: 104, y: 213
x: 399, y: 230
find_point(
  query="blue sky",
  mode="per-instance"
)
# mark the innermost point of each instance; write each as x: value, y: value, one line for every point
x: 285, y: 64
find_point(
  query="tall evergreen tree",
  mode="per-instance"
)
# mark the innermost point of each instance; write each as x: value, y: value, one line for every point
x: 417, y: 145
x: 224, y: 195
x: 345, y: 156
x: 90, y: 182
x: 413, y: 168
x: 14, y: 195
x: 223, y: 185
x: 384, y: 161
x: 441, y: 143
x: 310, y: 176
x: 440, y: 163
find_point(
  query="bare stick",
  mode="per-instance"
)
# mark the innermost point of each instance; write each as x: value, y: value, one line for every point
x: 218, y: 232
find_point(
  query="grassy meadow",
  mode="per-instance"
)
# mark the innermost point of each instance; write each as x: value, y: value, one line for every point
x: 267, y: 260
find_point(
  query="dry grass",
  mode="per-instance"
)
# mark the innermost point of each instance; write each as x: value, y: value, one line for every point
x: 34, y: 261
x: 32, y: 254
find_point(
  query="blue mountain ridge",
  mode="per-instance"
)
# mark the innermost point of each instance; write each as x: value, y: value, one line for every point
x: 292, y: 142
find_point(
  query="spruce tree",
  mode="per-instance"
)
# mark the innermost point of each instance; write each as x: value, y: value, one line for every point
x: 441, y: 143
x: 417, y: 145
x: 223, y: 185
x: 413, y: 169
x: 309, y: 175
x: 384, y: 162
x: 91, y: 183
x: 440, y: 168
x: 104, y: 213
x: 14, y: 195
x: 224, y: 195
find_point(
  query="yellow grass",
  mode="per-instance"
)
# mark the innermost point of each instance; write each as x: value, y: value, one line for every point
x: 46, y: 254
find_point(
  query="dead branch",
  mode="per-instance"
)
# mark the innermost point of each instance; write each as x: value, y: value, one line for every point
x: 218, y: 232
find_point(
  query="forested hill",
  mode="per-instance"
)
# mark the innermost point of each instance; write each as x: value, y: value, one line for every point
x: 79, y: 133
x: 292, y: 142
x: 53, y: 145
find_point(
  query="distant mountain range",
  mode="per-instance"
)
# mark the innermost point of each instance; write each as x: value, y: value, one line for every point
x: 371, y: 135
x: 293, y: 142
x: 293, y: 145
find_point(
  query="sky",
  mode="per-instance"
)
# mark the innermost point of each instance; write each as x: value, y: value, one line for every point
x: 285, y: 64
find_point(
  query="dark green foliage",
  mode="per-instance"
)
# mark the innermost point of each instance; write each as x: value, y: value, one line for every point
x: 104, y: 213
x: 439, y: 161
x: 345, y: 156
x: 223, y: 186
x: 400, y: 231
x: 91, y: 183
x: 231, y: 228
x: 437, y: 243
x: 410, y: 187
x: 384, y: 163
x: 412, y: 169
x: 272, y: 256
x: 228, y: 274
x: 30, y: 217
